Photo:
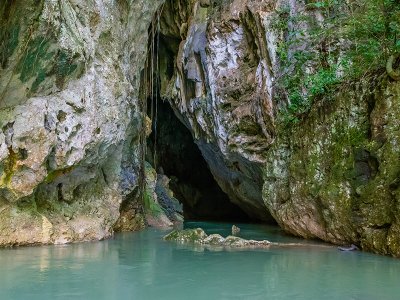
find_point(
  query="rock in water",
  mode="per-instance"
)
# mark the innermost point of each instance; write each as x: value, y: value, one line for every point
x: 199, y: 237
x: 235, y: 230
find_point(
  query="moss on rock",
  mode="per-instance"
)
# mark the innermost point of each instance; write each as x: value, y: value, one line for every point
x: 337, y: 167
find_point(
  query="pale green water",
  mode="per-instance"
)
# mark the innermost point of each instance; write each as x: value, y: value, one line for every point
x: 142, y: 266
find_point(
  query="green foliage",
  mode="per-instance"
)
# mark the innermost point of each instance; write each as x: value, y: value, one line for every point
x: 9, y: 168
x: 352, y: 41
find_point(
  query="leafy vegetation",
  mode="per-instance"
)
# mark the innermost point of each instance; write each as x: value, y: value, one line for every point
x: 330, y: 43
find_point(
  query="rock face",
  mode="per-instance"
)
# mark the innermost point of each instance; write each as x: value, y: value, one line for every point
x: 336, y: 175
x: 161, y: 209
x: 69, y: 117
x: 221, y: 90
x: 71, y: 123
x: 333, y: 176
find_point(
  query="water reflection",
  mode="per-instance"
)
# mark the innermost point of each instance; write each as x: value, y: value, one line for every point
x: 142, y: 266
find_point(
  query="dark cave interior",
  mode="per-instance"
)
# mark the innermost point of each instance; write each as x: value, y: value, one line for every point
x: 171, y: 148
x: 178, y: 157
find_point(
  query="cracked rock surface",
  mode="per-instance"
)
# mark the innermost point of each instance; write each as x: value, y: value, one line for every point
x: 333, y: 176
x: 69, y: 117
x: 70, y: 122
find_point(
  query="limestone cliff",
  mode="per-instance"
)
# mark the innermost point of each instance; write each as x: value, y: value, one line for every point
x: 333, y: 174
x: 221, y: 90
x: 69, y: 117
x: 71, y: 123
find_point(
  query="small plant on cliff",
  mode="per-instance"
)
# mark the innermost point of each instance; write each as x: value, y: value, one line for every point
x: 332, y: 42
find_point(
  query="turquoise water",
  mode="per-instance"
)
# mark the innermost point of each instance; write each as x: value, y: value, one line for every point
x: 142, y: 266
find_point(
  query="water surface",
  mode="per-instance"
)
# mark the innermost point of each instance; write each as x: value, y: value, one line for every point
x: 142, y: 266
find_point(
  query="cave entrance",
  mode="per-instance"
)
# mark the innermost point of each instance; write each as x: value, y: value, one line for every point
x: 171, y: 148
x: 173, y: 152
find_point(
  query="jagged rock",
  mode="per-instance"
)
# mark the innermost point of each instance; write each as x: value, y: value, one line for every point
x: 161, y: 209
x: 71, y: 124
x: 224, y: 99
x: 70, y: 118
x: 170, y: 205
x: 334, y: 175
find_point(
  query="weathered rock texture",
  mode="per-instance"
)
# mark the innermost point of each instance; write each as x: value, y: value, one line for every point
x: 161, y: 209
x: 199, y: 237
x: 70, y: 122
x: 69, y: 117
x: 333, y: 176
x: 221, y: 90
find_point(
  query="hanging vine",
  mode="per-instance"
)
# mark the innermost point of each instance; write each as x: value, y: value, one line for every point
x: 149, y: 90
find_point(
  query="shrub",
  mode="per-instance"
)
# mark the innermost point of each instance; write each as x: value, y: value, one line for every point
x: 355, y: 39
